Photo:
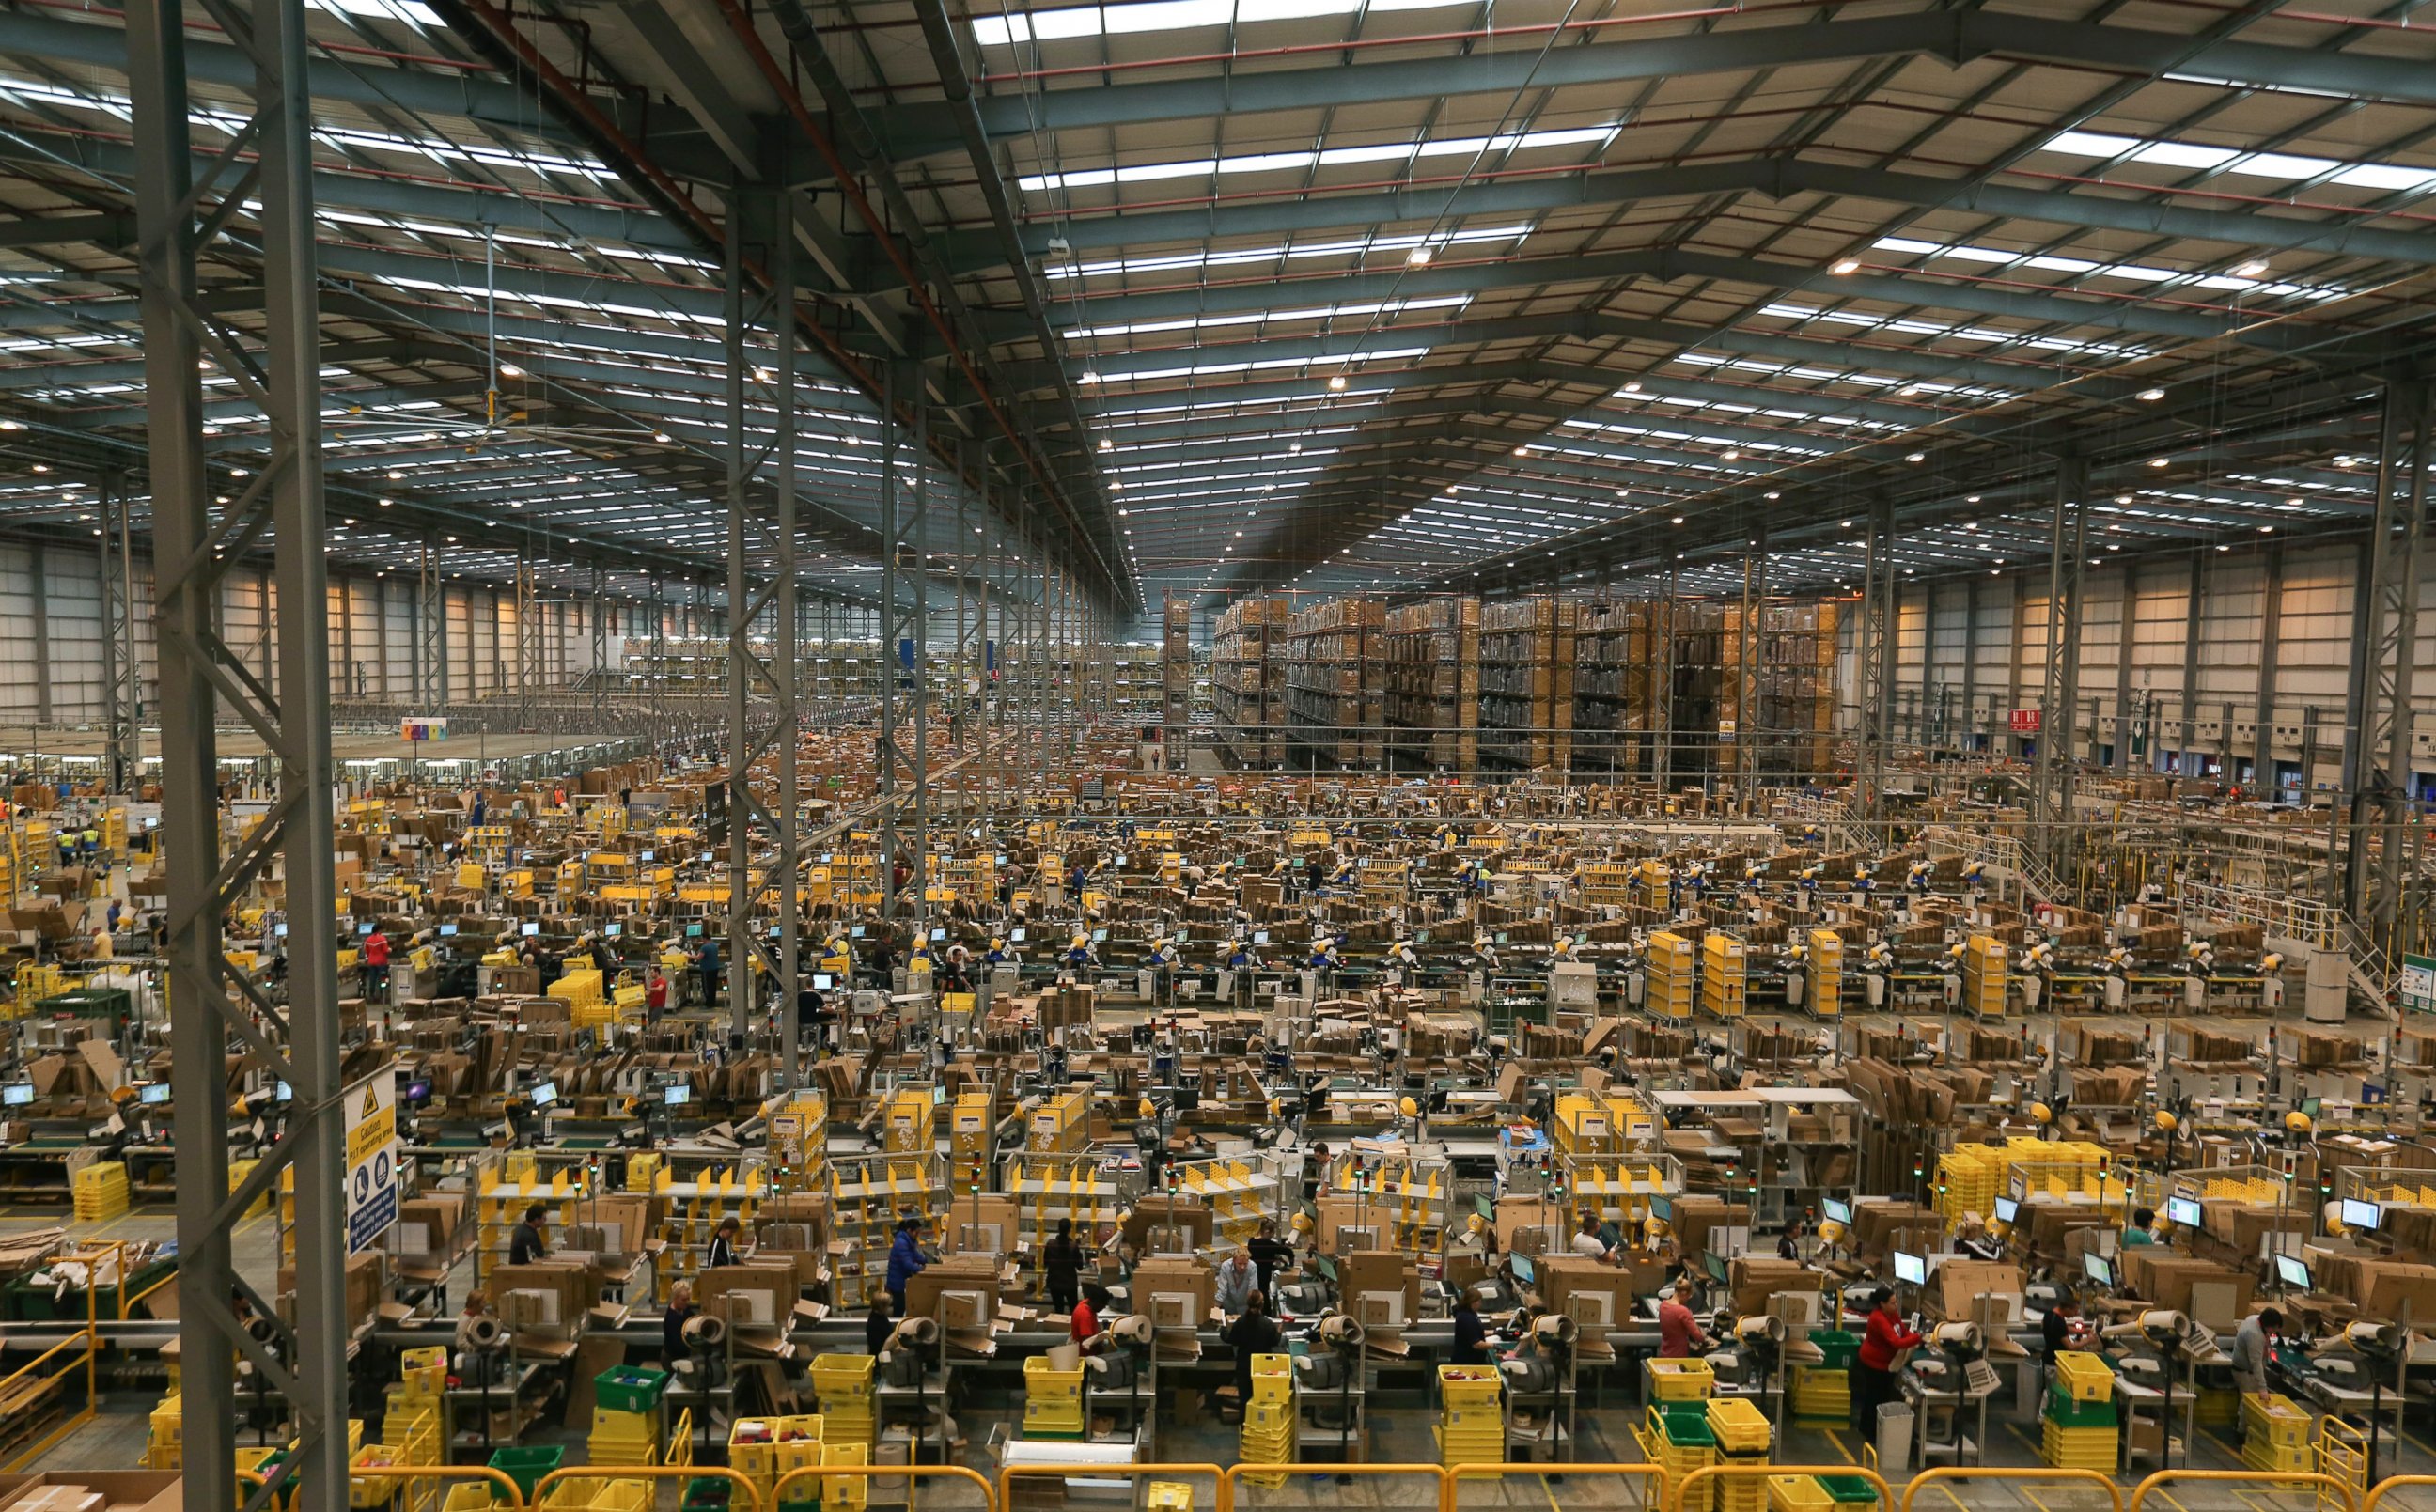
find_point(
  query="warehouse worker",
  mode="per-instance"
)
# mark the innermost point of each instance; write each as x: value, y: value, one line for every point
x: 905, y: 1260
x: 998, y: 954
x: 722, y: 1245
x: 1324, y: 958
x: 2252, y: 1350
x: 1240, y: 956
x: 1679, y: 1337
x: 2143, y: 1229
x: 1079, y: 956
x: 1238, y: 1281
x: 530, y: 1240
x: 1484, y: 946
x: 1873, y: 1367
x: 1404, y: 963
x: 1588, y: 1242
x: 377, y: 963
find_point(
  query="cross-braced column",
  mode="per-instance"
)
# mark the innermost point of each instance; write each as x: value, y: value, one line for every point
x: 184, y: 205
x: 1876, y: 644
x: 530, y: 672
x: 2374, y: 882
x: 1662, y: 699
x: 430, y: 628
x: 2059, y: 708
x: 122, y: 673
x: 1748, y: 736
x: 904, y: 644
x: 596, y: 612
x: 761, y: 477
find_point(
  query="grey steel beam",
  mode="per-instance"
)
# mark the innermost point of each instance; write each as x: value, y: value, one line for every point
x: 299, y: 1043
x: 916, y: 130
x: 2385, y: 665
x: 2059, y: 706
x: 1778, y: 178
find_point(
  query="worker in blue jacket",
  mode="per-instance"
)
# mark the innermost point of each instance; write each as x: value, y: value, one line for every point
x: 905, y: 1260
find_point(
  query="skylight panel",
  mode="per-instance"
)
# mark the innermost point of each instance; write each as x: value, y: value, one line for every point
x: 1270, y: 253
x: 1325, y: 157
x: 2282, y: 166
x: 1316, y: 312
x: 1168, y: 16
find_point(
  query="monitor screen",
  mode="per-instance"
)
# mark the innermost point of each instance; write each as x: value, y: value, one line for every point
x: 364, y: 929
x: 447, y: 929
x: 1837, y: 1213
x: 649, y: 855
x: 2182, y: 1213
x: 938, y: 1095
x: 1259, y: 936
x: 1661, y: 1210
x: 418, y: 1091
x: 1099, y: 936
x: 531, y: 930
x: 545, y: 1094
x: 613, y: 930
x: 823, y: 982
x: 2291, y: 1272
x: 693, y: 931
x: 2007, y: 1210
x: 155, y: 1092
x: 1001, y: 860
x: 2358, y: 1214
x: 281, y: 932
x: 855, y: 932
x: 1911, y: 1268
x: 1016, y: 935
x: 937, y: 935
x: 2311, y: 1107
x: 287, y: 1093
x: 1717, y: 1268
x: 677, y: 1095
x: 2099, y: 1269
x: 1523, y: 1271
x: 17, y: 1094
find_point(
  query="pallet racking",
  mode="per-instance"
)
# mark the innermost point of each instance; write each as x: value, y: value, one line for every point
x: 1432, y: 684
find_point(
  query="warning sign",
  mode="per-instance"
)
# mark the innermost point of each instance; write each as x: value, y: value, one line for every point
x: 373, y: 1172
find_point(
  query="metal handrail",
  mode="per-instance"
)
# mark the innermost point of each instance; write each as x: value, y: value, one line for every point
x: 503, y: 1485
x: 753, y: 1496
x: 945, y: 1472
x: 1719, y: 1472
x: 2140, y: 1493
x: 1991, y: 1472
x: 1008, y: 1473
x: 1453, y: 1474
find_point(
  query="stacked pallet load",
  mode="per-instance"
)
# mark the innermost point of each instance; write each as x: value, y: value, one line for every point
x: 2274, y: 1433
x: 1527, y: 685
x: 2078, y: 1427
x: 1432, y: 682
x: 100, y: 1192
x: 1269, y: 1420
x: 1617, y: 666
x: 1706, y: 648
x: 1725, y: 975
x: 1470, y: 1428
x: 1247, y: 680
x: 626, y: 1416
x: 1673, y: 975
x: 1176, y: 668
x: 842, y: 1389
x: 1970, y: 1177
x: 1796, y: 716
x: 1334, y: 691
x: 1983, y: 976
x: 1823, y: 1393
x: 1052, y: 1399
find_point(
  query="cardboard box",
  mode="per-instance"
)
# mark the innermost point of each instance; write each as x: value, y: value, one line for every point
x: 118, y: 1491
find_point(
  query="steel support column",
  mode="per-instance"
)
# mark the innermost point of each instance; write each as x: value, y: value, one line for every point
x: 529, y: 674
x: 2059, y: 703
x: 430, y: 630
x: 2270, y: 638
x: 177, y: 217
x: 1747, y: 736
x: 904, y: 644
x: 1970, y: 655
x: 122, y: 672
x: 2381, y: 742
x: 1662, y: 713
x: 1877, y: 646
x: 2127, y: 650
x: 2191, y: 625
x: 761, y: 345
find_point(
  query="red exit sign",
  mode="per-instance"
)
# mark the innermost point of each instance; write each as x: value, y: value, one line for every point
x: 2026, y: 721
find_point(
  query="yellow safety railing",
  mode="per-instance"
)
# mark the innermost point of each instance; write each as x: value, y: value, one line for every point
x: 1657, y: 1495
x: 1008, y: 1476
x: 871, y: 1472
x: 1707, y: 1473
x: 680, y: 1450
x: 504, y: 1490
x: 2392, y: 1482
x: 2320, y: 1484
x: 2006, y: 1473
x: 743, y: 1495
x: 1234, y: 1475
x: 87, y: 1339
x: 2342, y: 1456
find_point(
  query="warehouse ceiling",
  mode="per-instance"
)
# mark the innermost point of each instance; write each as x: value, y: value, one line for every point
x: 1222, y: 295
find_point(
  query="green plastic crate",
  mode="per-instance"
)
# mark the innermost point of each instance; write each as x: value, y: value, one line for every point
x: 1690, y: 1433
x: 629, y: 1388
x: 1840, y: 1347
x: 526, y: 1466
x: 2066, y: 1413
x: 1847, y: 1489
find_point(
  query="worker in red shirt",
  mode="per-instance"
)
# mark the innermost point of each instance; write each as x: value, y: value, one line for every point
x: 1085, y: 1322
x: 1679, y: 1332
x: 376, y: 965
x: 1873, y: 1372
x: 655, y: 996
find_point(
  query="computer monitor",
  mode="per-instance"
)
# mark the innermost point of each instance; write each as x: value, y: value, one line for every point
x: 1717, y: 1268
x: 937, y: 935
x: 1121, y: 860
x: 545, y: 1094
x: 2363, y: 1215
x: 418, y: 1092
x: 676, y: 1095
x: 281, y: 932
x: 650, y: 854
x: 531, y: 930
x: 693, y: 931
x: 447, y: 929
x: 1001, y: 860
x: 2310, y: 1106
x: 707, y: 858
x: 2007, y: 1210
x: 2182, y: 1213
x: 855, y: 932
x: 2099, y: 1269
x: 154, y: 1093
x: 1099, y: 936
x: 1017, y: 935
x: 1661, y: 1210
x: 613, y: 930
x: 364, y: 929
x: 1522, y: 1270
x: 287, y: 1093
x: 1911, y: 1268
x: 1259, y: 936
x: 17, y: 1094
x: 2292, y: 1273
x: 1837, y: 1213
x: 938, y: 1095
x: 824, y: 981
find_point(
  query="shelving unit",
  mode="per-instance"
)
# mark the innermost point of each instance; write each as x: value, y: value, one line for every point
x: 1527, y: 685
x: 1431, y: 680
x: 1334, y: 699
x: 867, y: 1194
x: 1247, y: 669
x: 1617, y: 667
